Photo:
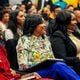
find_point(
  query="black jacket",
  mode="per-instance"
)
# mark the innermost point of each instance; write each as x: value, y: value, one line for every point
x: 64, y: 48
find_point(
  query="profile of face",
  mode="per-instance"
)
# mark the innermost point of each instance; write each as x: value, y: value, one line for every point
x: 73, y: 24
x: 40, y: 29
x: 77, y: 14
x: 34, y: 25
x: 5, y: 17
x: 20, y: 18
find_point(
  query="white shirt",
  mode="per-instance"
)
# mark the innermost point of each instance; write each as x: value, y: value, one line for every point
x: 8, y: 34
x: 3, y: 27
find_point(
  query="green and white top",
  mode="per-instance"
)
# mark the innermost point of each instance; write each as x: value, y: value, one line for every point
x: 32, y: 50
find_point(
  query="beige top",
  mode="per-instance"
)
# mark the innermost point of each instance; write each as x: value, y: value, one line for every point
x: 3, y: 27
x: 76, y: 41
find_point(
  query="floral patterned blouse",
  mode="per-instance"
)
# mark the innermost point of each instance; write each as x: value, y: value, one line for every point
x: 32, y: 50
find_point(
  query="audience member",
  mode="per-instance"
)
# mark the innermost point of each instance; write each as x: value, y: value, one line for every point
x: 34, y: 48
x: 14, y: 31
x: 64, y: 44
x: 15, y: 26
x: 70, y: 8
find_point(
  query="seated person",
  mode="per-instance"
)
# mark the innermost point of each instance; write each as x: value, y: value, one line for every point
x: 6, y: 73
x: 34, y: 48
x: 65, y: 44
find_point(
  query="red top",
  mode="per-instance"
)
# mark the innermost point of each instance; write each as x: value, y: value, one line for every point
x: 5, y: 73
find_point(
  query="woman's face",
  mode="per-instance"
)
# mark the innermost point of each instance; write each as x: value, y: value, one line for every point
x: 33, y: 10
x: 77, y: 14
x: 20, y: 18
x: 23, y: 8
x: 5, y: 18
x: 41, y: 29
x: 73, y: 24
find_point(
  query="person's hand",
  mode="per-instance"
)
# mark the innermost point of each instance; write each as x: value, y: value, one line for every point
x: 23, y: 67
x: 19, y: 48
x: 37, y: 76
x: 13, y: 72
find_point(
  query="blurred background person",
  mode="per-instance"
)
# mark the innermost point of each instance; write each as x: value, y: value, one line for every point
x: 12, y: 34
x: 70, y: 8
x: 15, y: 26
x: 31, y: 9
